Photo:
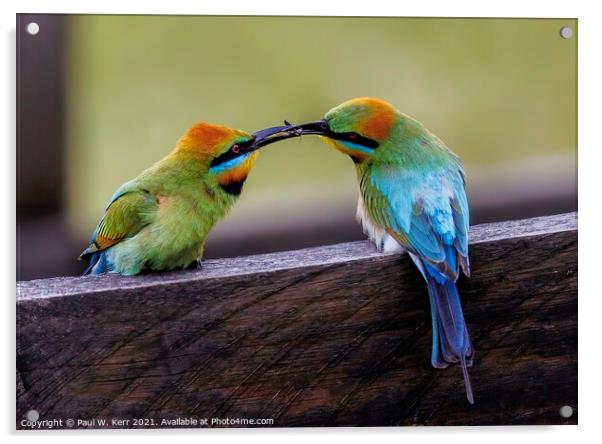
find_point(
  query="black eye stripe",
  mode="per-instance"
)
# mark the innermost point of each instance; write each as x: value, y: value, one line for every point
x: 356, y: 138
x: 235, y: 150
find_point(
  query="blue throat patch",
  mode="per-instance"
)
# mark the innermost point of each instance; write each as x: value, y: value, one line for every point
x: 232, y: 163
x: 356, y: 147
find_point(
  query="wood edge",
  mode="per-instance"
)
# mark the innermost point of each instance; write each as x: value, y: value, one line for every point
x: 279, y: 261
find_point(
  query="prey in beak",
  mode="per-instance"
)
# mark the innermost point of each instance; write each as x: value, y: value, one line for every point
x: 270, y: 135
x: 288, y: 130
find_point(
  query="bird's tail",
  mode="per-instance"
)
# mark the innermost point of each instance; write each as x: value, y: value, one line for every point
x: 451, y: 342
x: 97, y: 264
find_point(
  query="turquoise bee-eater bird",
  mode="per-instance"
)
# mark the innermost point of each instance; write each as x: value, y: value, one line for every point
x: 411, y: 198
x: 159, y: 220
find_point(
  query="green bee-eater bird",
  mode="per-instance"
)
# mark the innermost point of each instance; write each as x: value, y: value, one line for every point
x: 159, y: 220
x: 411, y: 198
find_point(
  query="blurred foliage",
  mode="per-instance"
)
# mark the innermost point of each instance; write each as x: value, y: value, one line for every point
x: 496, y: 90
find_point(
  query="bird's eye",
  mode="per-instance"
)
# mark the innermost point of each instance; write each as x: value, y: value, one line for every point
x: 235, y: 148
x: 352, y: 136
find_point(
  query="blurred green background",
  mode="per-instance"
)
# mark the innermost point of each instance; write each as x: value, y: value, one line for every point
x: 500, y: 92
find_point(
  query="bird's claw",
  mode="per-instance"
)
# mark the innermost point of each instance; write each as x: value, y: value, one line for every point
x: 195, y: 265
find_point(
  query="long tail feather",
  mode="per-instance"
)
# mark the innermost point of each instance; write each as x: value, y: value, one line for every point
x: 467, y: 383
x: 451, y: 342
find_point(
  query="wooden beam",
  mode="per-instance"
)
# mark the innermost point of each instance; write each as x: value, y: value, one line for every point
x: 332, y: 336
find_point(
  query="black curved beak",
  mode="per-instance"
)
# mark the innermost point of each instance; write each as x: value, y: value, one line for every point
x: 276, y: 133
x: 319, y: 127
x: 270, y: 135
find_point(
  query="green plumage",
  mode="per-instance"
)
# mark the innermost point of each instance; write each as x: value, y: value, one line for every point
x: 160, y: 220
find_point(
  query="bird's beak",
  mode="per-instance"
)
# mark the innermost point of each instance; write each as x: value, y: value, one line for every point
x: 319, y: 127
x: 270, y: 135
x: 276, y: 133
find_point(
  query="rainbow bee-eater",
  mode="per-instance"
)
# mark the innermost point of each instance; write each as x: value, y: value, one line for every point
x: 411, y: 198
x: 159, y: 220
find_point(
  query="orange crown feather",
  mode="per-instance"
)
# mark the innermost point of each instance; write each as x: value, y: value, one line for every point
x: 207, y: 137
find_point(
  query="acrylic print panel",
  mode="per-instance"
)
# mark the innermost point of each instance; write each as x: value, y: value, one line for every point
x: 231, y: 284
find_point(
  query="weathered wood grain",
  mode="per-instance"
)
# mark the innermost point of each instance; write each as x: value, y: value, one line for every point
x: 337, y: 335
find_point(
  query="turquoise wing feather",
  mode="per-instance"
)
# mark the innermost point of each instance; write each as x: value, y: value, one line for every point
x: 427, y: 212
